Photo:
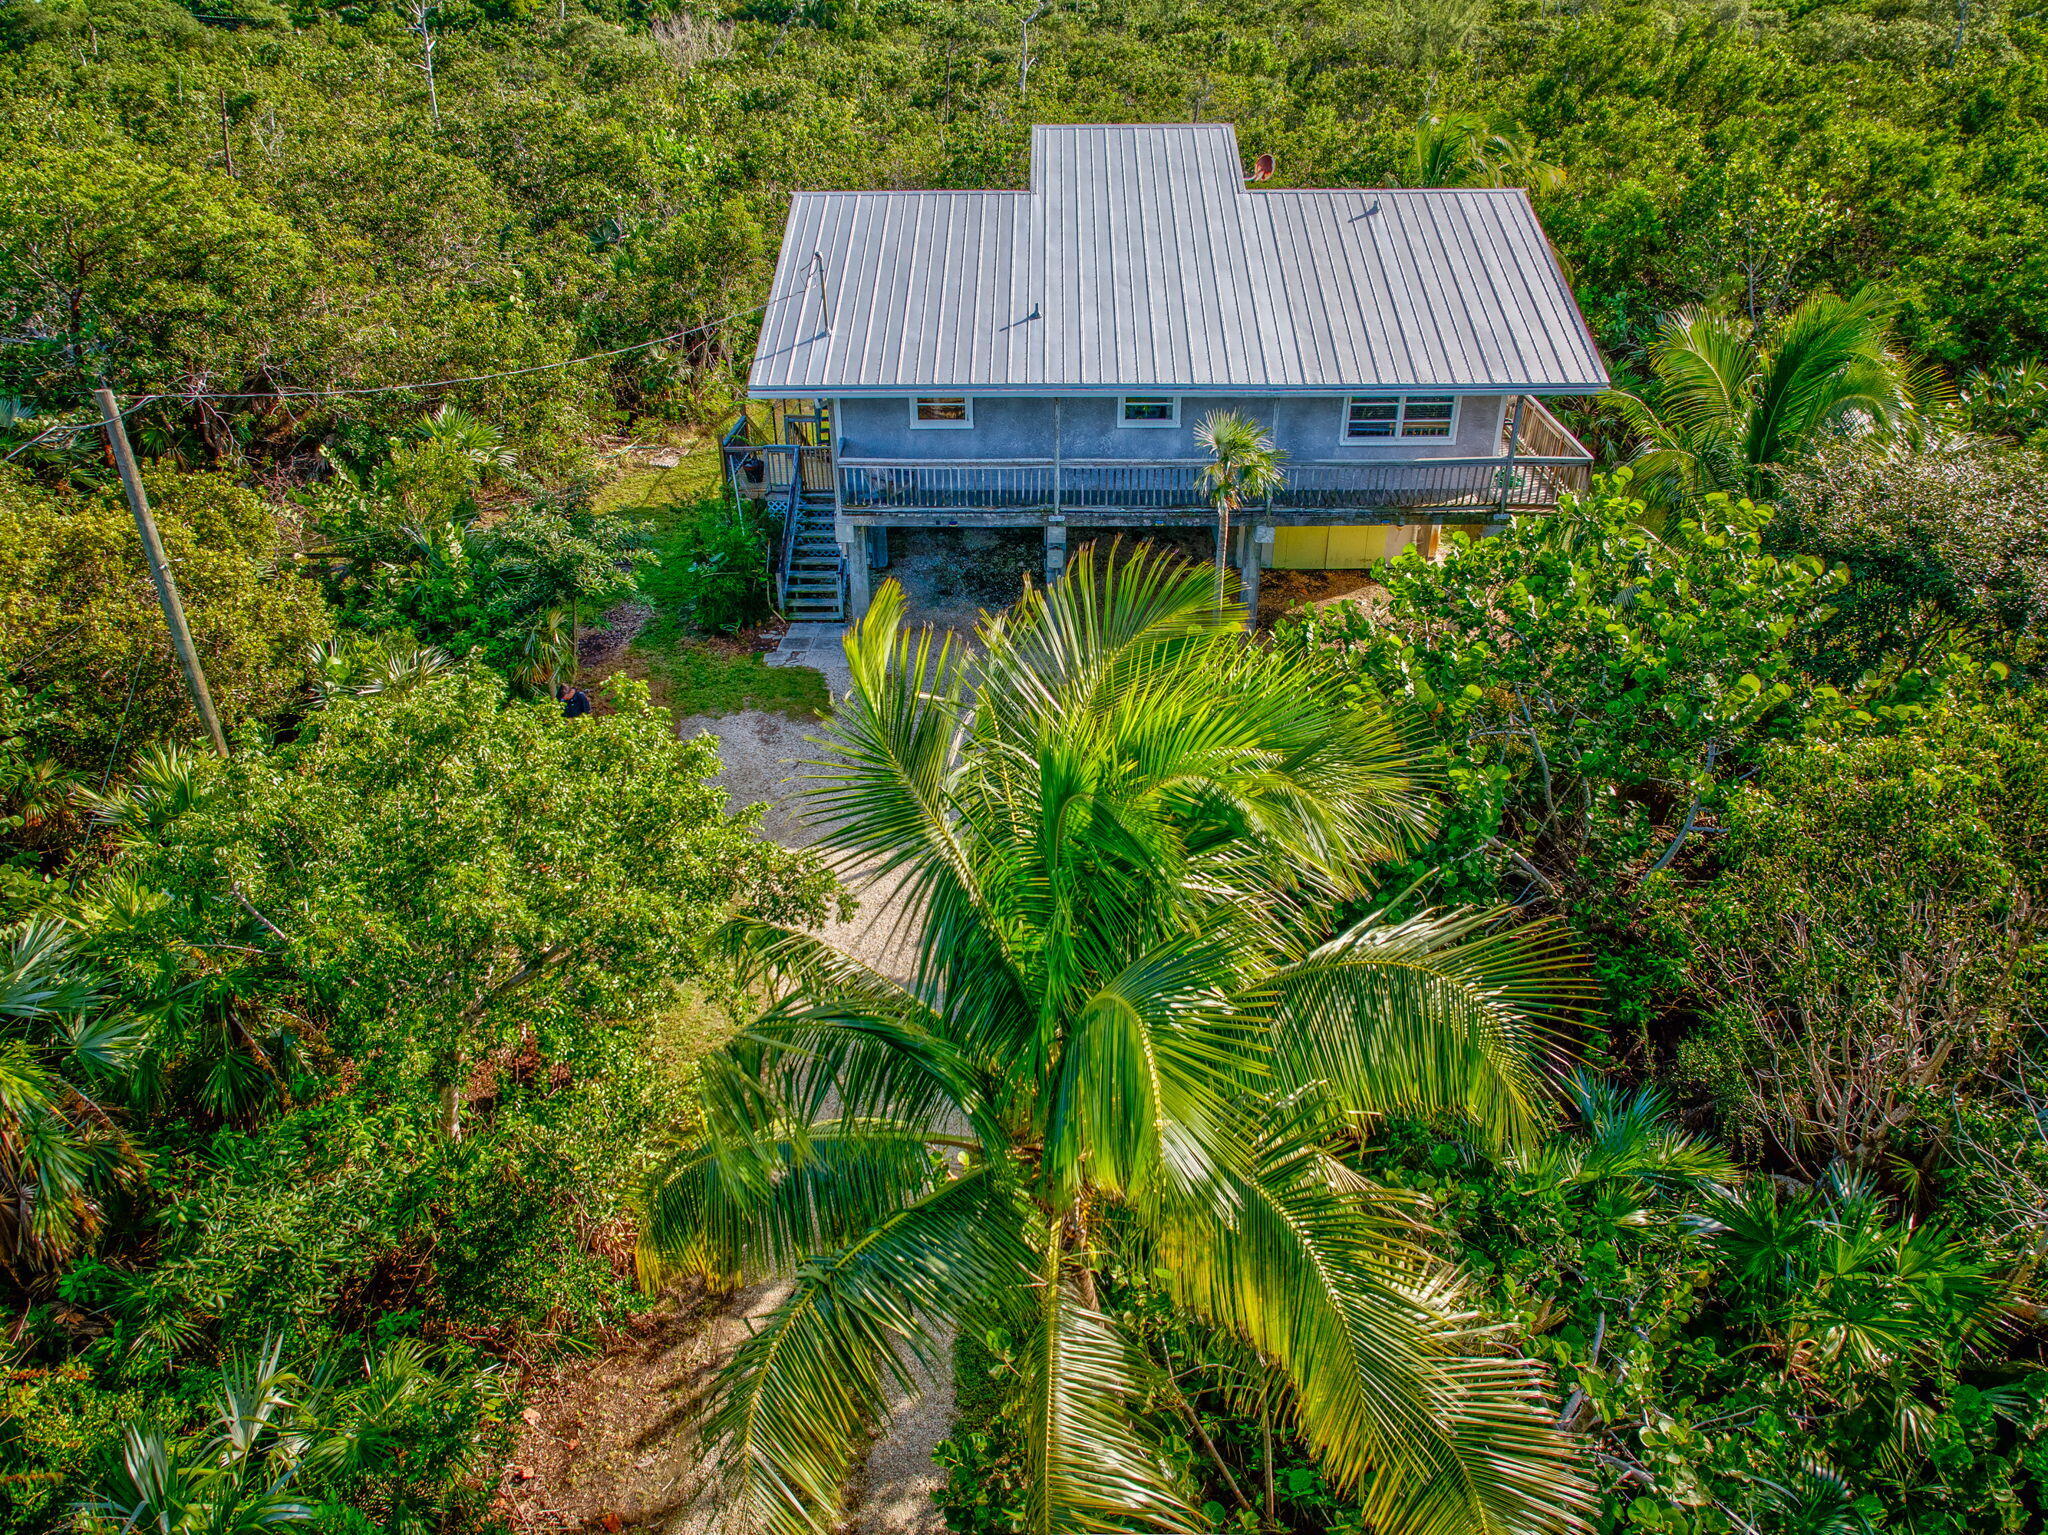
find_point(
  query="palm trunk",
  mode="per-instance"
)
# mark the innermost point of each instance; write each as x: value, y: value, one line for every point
x: 1222, y: 547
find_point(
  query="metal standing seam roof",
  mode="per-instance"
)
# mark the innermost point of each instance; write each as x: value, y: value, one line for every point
x: 1139, y: 259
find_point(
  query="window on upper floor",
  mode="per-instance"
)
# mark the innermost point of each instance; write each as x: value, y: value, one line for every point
x: 1150, y: 410
x: 941, y: 410
x: 1368, y: 417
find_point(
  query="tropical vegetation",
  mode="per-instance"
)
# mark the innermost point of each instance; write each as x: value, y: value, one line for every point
x: 1555, y: 1044
x: 1136, y: 1031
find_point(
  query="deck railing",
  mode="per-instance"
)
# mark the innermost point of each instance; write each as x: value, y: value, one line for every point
x: 1485, y: 486
x: 1542, y: 434
x: 772, y: 469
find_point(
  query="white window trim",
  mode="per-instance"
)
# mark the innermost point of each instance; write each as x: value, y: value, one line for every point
x: 1123, y: 403
x: 941, y: 426
x: 1345, y: 438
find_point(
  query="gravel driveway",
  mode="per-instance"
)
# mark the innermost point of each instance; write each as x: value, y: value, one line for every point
x: 761, y: 753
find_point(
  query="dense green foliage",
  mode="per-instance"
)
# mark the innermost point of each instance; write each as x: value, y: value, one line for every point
x: 1781, y: 773
x: 80, y: 629
x: 269, y: 197
x: 1813, y: 912
x: 336, y: 1028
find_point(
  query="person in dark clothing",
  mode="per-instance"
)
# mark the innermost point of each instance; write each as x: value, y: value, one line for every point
x: 575, y: 702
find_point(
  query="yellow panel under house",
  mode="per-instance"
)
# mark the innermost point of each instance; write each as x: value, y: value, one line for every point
x: 1299, y: 548
x: 1359, y: 546
x: 1353, y: 547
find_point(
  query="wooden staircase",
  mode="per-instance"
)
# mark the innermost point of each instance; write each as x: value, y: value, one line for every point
x: 814, y: 571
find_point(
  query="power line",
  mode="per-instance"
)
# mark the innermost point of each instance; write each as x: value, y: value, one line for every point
x: 439, y: 383
x: 73, y: 426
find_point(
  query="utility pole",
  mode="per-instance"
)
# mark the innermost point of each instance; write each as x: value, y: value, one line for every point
x: 159, y: 568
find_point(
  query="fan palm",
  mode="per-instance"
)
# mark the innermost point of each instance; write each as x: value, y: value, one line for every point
x: 1120, y: 836
x: 362, y: 666
x: 59, y: 1149
x: 1728, y: 407
x: 1243, y: 466
x: 276, y: 1436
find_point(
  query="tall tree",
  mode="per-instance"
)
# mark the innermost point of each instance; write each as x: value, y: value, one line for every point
x: 1135, y: 1029
x: 435, y: 872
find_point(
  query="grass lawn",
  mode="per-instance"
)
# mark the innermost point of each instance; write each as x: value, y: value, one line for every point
x: 709, y: 676
x: 693, y: 673
x: 651, y: 495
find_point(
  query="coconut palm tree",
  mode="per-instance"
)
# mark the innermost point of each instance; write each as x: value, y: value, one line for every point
x: 1243, y: 466
x: 1135, y: 1027
x: 1729, y: 407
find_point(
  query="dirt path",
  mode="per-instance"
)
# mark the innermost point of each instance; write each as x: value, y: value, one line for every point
x: 607, y: 1444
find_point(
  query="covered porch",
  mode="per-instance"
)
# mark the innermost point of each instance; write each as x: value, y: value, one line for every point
x: 1328, y: 513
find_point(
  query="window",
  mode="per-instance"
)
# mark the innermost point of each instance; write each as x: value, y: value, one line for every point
x: 941, y: 410
x: 1371, y: 416
x: 1151, y: 410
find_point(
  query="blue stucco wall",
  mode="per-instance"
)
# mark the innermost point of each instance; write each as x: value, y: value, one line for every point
x: 1307, y: 427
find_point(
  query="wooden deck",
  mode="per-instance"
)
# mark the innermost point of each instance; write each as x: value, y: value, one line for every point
x: 1538, y: 462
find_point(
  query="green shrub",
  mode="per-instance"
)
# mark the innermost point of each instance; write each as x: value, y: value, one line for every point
x: 714, y: 571
x: 58, y: 1425
x: 81, y: 631
x: 1867, y: 939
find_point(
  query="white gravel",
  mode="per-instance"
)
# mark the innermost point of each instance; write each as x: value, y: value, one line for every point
x: 762, y: 756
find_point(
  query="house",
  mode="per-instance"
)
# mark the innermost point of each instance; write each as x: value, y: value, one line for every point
x: 1041, y: 358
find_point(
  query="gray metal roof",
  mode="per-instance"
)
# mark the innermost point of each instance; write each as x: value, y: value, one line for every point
x: 1139, y: 260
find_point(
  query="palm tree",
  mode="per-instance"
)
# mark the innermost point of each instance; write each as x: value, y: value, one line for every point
x: 547, y: 650
x: 1134, y: 1028
x: 60, y: 1151
x: 1243, y: 466
x: 278, y: 1438
x: 1463, y: 149
x: 1729, y: 407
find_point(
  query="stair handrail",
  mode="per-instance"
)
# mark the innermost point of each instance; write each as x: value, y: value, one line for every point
x: 791, y: 505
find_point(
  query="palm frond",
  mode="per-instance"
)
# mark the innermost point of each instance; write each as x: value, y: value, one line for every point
x: 40, y: 975
x: 1707, y: 368
x: 1091, y: 1465
x: 744, y: 1207
x: 845, y: 1033
x: 1077, y: 645
x: 1322, y: 1277
x: 1628, y: 1138
x: 803, y: 1393
x: 1829, y: 358
x: 886, y: 789
x: 1430, y: 1015
x: 1150, y: 1066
